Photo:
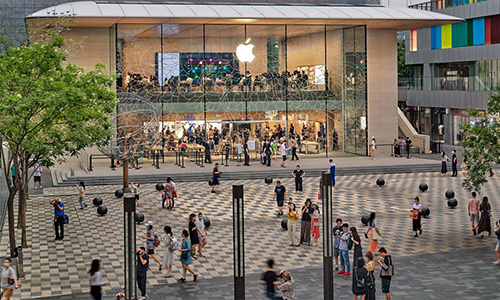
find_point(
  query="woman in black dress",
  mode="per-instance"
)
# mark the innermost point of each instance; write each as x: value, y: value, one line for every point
x: 356, y: 240
x: 359, y: 279
x: 193, y: 234
x: 444, y: 160
x: 485, y: 221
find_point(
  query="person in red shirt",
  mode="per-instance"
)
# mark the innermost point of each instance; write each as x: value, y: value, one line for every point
x: 473, y: 209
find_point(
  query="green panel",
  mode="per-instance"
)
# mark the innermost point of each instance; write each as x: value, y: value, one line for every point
x: 470, y: 30
x: 459, y: 34
x: 446, y: 36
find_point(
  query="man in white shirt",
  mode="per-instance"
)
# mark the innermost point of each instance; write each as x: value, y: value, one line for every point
x: 202, y: 233
x: 283, y: 149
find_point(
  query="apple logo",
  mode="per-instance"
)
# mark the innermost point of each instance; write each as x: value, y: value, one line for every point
x: 244, y: 52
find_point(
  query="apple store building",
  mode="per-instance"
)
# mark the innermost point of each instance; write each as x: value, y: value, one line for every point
x: 324, y: 74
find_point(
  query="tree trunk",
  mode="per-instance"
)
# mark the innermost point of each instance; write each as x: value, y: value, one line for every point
x: 25, y: 195
x: 125, y: 176
x: 10, y: 212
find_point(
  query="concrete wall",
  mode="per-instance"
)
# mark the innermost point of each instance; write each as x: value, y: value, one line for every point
x: 382, y: 85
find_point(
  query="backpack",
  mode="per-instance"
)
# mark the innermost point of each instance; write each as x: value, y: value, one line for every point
x: 350, y: 244
x: 66, y: 219
x: 173, y: 245
x: 156, y: 241
x: 390, y: 270
x: 360, y: 282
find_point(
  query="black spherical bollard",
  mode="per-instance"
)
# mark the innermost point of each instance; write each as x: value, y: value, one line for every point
x: 380, y: 182
x: 452, y: 203
x: 284, y: 223
x: 449, y: 194
x: 119, y: 193
x: 365, y: 219
x: 423, y: 187
x: 425, y: 212
x: 102, y: 210
x: 97, y: 201
x: 268, y: 180
x: 139, y: 218
x: 207, y: 222
x: 159, y: 186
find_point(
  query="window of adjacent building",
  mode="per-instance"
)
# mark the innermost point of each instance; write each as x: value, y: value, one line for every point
x: 413, y: 40
x: 416, y: 73
x: 466, y: 76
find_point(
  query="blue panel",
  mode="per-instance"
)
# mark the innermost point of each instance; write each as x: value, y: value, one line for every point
x: 436, y: 37
x: 478, y: 31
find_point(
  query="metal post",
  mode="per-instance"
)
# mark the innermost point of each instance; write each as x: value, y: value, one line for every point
x: 157, y: 159
x: 90, y: 163
x: 130, y: 259
x: 182, y: 156
x: 176, y: 158
x: 201, y: 160
x: 238, y: 242
x: 326, y: 199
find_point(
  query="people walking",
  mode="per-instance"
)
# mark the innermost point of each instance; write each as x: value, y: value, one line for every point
x: 171, y: 245
x: 305, y: 225
x: 8, y: 279
x: 37, y: 175
x: 298, y: 174
x: 315, y: 223
x: 283, y: 150
x: 185, y: 258
x: 135, y: 189
x: 294, y: 149
x: 270, y: 280
x: 416, y: 215
x: 279, y: 195
x: 454, y: 162
x: 193, y: 234
x: 370, y: 279
x: 142, y: 270
x: 336, y: 241
x: 215, y: 177
x: 373, y: 147
x: 497, y: 248
x: 202, y: 234
x: 473, y: 209
x: 485, y: 220
x: 293, y: 216
x: 386, y: 272
x: 81, y: 194
x: 356, y: 242
x: 359, y: 278
x: 345, y: 265
x: 95, y: 280
x: 152, y: 241
x: 58, y: 217
x: 444, y: 160
x: 373, y: 233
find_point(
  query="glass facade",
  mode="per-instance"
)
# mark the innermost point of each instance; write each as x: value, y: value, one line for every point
x: 249, y: 81
x: 466, y: 76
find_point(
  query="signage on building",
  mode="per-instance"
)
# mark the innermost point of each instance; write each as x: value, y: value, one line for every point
x: 244, y: 52
x: 271, y: 114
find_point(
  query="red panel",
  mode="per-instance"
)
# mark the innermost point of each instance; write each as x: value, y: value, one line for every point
x: 495, y: 29
x: 487, y: 31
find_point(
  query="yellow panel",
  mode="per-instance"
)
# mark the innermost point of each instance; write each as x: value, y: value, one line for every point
x: 446, y: 36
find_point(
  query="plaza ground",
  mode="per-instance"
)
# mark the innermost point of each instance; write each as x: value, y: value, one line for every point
x: 447, y: 262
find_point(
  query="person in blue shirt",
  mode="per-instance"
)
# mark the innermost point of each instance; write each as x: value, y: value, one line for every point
x: 332, y: 171
x: 336, y: 241
x: 58, y: 217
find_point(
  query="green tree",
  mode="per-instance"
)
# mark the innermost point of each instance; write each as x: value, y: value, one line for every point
x: 403, y: 69
x: 481, y: 144
x: 48, y: 109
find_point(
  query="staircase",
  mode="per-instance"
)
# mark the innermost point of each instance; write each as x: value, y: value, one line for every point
x: 405, y: 128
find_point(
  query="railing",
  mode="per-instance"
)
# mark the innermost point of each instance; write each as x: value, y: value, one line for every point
x: 413, y: 83
x: 441, y: 4
x: 463, y: 83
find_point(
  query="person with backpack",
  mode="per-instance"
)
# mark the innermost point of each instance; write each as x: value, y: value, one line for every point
x: 202, y: 234
x: 370, y: 279
x: 359, y: 279
x: 58, y: 217
x: 386, y: 272
x: 8, y: 279
x: 152, y: 241
x: 171, y: 246
x: 345, y: 265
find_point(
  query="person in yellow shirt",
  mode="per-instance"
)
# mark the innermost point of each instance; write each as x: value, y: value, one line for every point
x: 293, y: 216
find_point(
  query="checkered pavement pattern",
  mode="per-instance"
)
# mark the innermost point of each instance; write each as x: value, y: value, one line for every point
x: 55, y: 268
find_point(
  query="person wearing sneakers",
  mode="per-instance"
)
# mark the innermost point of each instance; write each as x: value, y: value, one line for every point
x: 473, y: 209
x: 185, y: 258
x: 37, y: 175
x: 336, y: 242
x: 202, y: 234
x: 345, y: 265
x: 279, y: 195
x: 152, y: 241
x: 81, y: 194
x: 283, y: 150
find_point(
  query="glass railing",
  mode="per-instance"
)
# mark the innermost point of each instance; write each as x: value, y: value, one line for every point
x: 459, y: 83
x: 412, y: 83
x: 441, y: 4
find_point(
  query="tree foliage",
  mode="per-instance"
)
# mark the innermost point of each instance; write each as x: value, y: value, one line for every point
x: 49, y: 108
x: 403, y: 69
x: 481, y: 144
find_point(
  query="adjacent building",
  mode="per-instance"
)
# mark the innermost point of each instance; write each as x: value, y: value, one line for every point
x: 453, y: 67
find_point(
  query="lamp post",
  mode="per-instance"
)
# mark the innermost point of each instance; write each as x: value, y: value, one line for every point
x: 327, y: 203
x: 130, y: 260
x: 238, y: 243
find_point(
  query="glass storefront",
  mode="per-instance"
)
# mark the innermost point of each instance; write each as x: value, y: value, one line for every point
x: 249, y: 81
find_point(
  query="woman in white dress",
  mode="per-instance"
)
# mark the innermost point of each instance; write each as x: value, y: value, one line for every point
x: 170, y: 247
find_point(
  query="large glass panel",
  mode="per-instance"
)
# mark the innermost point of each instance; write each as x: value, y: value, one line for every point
x: 354, y: 102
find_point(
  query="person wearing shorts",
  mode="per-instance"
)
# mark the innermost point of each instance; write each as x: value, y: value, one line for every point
x: 279, y: 195
x: 336, y: 242
x: 385, y: 272
x: 37, y: 175
x: 202, y: 234
x: 473, y: 210
x: 135, y: 188
x: 283, y: 150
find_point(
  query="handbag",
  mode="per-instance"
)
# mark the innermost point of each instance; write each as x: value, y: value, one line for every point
x: 375, y: 235
x: 174, y: 194
x: 414, y: 215
x: 184, y: 255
